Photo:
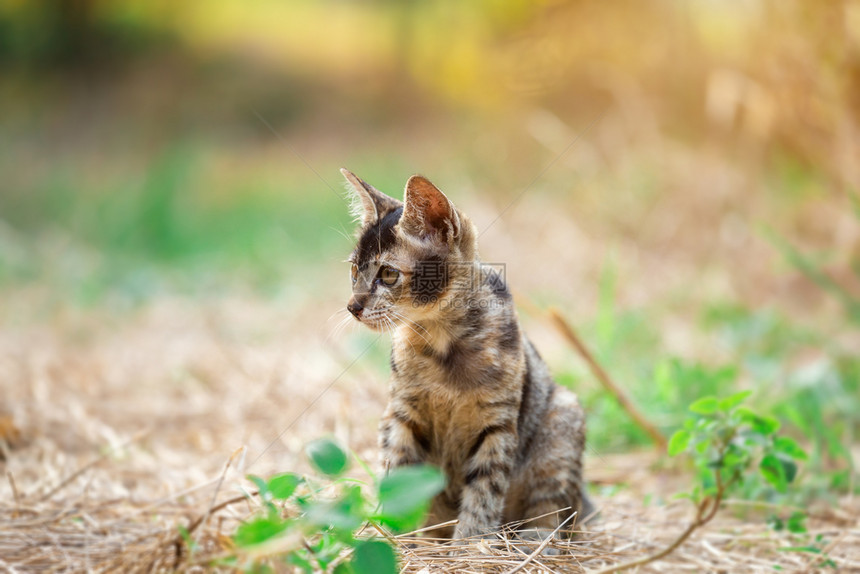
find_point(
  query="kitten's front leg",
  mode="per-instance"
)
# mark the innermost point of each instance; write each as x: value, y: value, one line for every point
x: 489, y: 464
x: 403, y: 438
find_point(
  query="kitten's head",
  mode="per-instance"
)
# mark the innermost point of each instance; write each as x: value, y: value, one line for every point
x: 411, y: 256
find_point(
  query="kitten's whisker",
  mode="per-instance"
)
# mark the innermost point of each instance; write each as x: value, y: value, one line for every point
x: 342, y: 233
x: 339, y: 311
x: 389, y: 325
x: 406, y: 323
x: 405, y: 318
x: 387, y: 322
x: 338, y: 329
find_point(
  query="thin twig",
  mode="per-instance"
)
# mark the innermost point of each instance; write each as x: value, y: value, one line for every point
x: 220, y: 482
x: 220, y: 506
x: 15, y: 494
x: 178, y: 542
x: 171, y: 497
x: 570, y: 335
x: 705, y: 511
x: 540, y: 548
x: 426, y: 528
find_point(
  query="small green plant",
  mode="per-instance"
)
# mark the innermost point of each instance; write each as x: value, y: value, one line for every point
x: 726, y: 440
x: 817, y: 548
x: 796, y: 523
x: 316, y: 523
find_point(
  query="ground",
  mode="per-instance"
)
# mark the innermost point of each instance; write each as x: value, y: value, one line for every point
x: 119, y: 427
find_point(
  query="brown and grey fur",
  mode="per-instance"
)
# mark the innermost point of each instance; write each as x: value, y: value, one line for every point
x: 468, y: 391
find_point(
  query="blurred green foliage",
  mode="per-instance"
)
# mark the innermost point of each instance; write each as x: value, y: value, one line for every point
x: 309, y: 522
x: 167, y: 227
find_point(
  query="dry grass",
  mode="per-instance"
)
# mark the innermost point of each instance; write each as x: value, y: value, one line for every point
x: 117, y: 425
x: 78, y: 532
x: 127, y: 427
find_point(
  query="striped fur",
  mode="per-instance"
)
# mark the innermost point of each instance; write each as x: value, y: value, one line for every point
x: 468, y: 391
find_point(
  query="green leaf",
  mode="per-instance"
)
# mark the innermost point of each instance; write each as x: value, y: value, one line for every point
x: 327, y: 456
x: 773, y: 471
x: 258, y: 530
x: 789, y: 447
x: 344, y: 568
x: 789, y: 468
x: 679, y: 442
x: 406, y: 493
x: 732, y: 401
x: 405, y: 521
x: 776, y: 523
x: 327, y: 550
x: 410, y: 486
x: 282, y: 486
x: 299, y: 559
x: 797, y: 523
x: 766, y: 425
x: 761, y: 424
x: 260, y: 484
x: 705, y: 406
x: 745, y: 414
x: 344, y: 514
x: 374, y: 557
x: 736, y: 458
x: 810, y: 549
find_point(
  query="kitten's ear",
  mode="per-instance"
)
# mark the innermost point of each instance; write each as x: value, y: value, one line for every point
x: 427, y: 213
x: 371, y: 203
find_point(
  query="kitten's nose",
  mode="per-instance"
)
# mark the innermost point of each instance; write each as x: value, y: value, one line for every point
x: 355, y: 308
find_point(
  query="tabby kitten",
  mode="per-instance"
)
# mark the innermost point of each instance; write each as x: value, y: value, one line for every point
x: 468, y: 393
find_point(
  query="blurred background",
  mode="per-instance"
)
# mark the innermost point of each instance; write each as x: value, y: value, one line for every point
x: 679, y: 178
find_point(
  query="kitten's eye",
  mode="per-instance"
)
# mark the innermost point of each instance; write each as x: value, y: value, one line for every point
x: 354, y: 273
x: 389, y: 275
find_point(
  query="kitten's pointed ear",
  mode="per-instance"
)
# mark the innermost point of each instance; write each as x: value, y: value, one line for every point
x: 427, y: 213
x: 371, y: 204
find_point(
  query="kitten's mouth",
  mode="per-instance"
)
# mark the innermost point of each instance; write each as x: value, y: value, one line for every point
x: 376, y: 321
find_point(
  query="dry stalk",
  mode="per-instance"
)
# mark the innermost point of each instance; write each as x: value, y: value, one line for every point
x: 427, y: 528
x: 220, y: 482
x: 705, y: 511
x: 570, y: 335
x: 14, y: 487
x: 540, y: 547
x: 178, y: 541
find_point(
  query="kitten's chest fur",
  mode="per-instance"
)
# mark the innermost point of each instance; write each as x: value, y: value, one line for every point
x: 449, y: 418
x: 456, y: 377
x: 450, y: 423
